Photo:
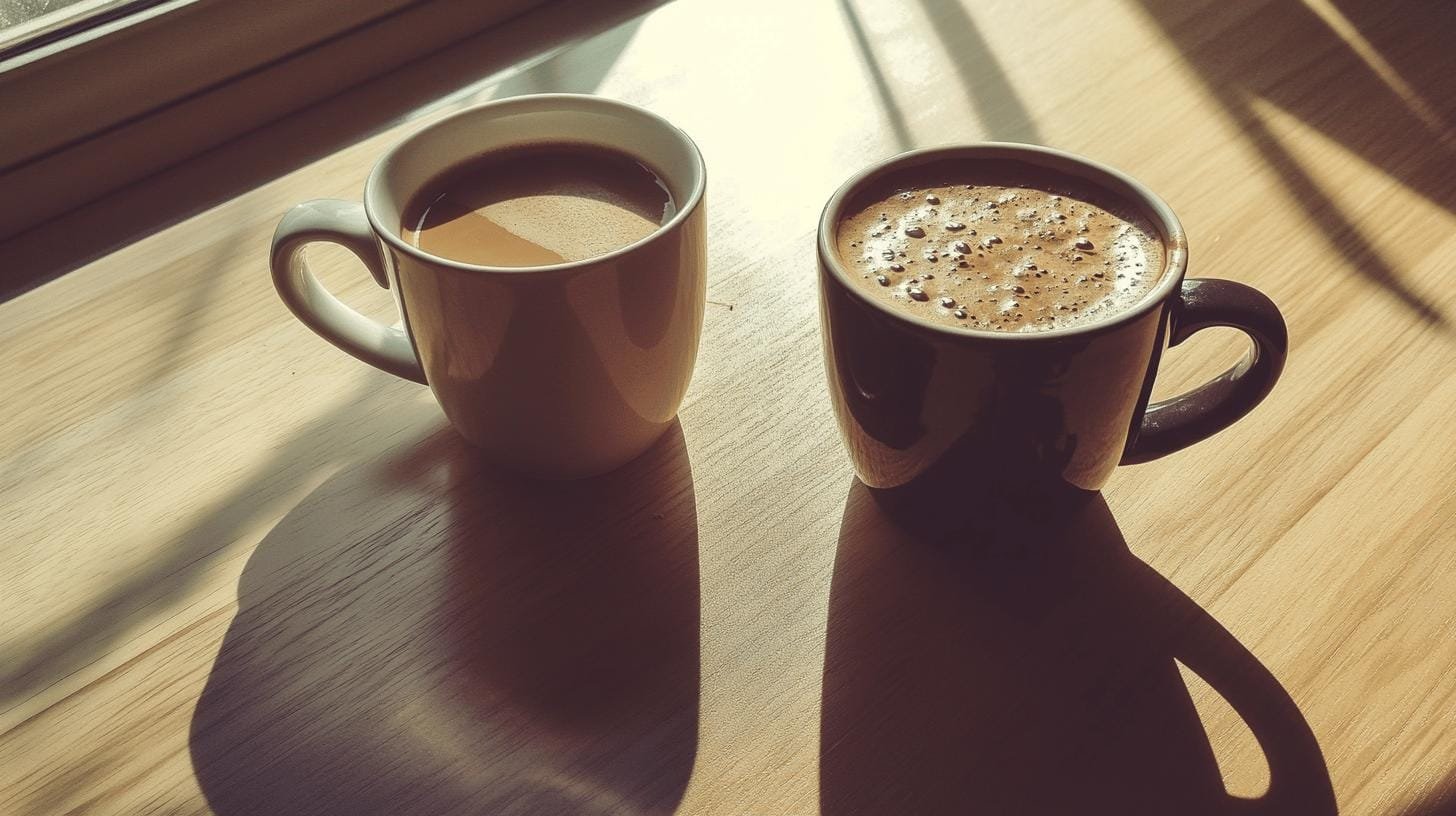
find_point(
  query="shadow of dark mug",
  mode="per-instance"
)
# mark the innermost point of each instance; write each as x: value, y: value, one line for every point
x: 429, y: 634
x: 935, y: 411
x: 1031, y: 667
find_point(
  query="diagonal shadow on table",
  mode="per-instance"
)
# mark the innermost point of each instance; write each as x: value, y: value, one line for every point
x: 1030, y: 666
x: 425, y: 634
x: 893, y: 112
x: 1440, y: 801
x: 1002, y: 114
x: 1285, y: 54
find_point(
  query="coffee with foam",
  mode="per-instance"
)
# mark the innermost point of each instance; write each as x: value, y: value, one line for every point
x: 1022, y: 251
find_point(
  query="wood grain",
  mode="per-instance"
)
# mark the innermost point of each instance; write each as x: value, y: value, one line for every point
x: 246, y: 574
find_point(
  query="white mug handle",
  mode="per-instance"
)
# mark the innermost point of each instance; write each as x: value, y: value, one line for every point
x: 343, y: 223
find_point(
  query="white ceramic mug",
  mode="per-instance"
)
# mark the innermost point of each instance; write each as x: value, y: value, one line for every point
x: 558, y: 371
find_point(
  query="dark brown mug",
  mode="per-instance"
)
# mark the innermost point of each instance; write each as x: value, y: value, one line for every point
x: 938, y: 410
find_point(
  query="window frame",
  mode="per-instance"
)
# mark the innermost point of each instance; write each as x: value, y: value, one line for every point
x: 101, y: 108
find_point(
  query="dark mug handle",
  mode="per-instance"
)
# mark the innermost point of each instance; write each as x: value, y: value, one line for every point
x: 1176, y: 423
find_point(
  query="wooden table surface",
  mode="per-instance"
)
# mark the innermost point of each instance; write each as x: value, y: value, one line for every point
x: 246, y: 574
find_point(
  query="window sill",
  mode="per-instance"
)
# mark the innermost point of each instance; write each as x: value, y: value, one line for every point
x: 134, y: 96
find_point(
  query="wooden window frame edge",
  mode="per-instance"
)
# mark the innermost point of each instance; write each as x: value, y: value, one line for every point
x: 110, y: 154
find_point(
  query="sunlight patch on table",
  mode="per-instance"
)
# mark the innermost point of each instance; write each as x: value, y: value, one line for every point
x: 1241, y: 761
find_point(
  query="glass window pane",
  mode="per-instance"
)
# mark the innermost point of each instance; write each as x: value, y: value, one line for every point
x: 25, y: 24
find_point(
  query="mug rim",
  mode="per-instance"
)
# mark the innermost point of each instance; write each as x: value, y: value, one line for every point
x: 374, y: 183
x: 1175, y: 240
